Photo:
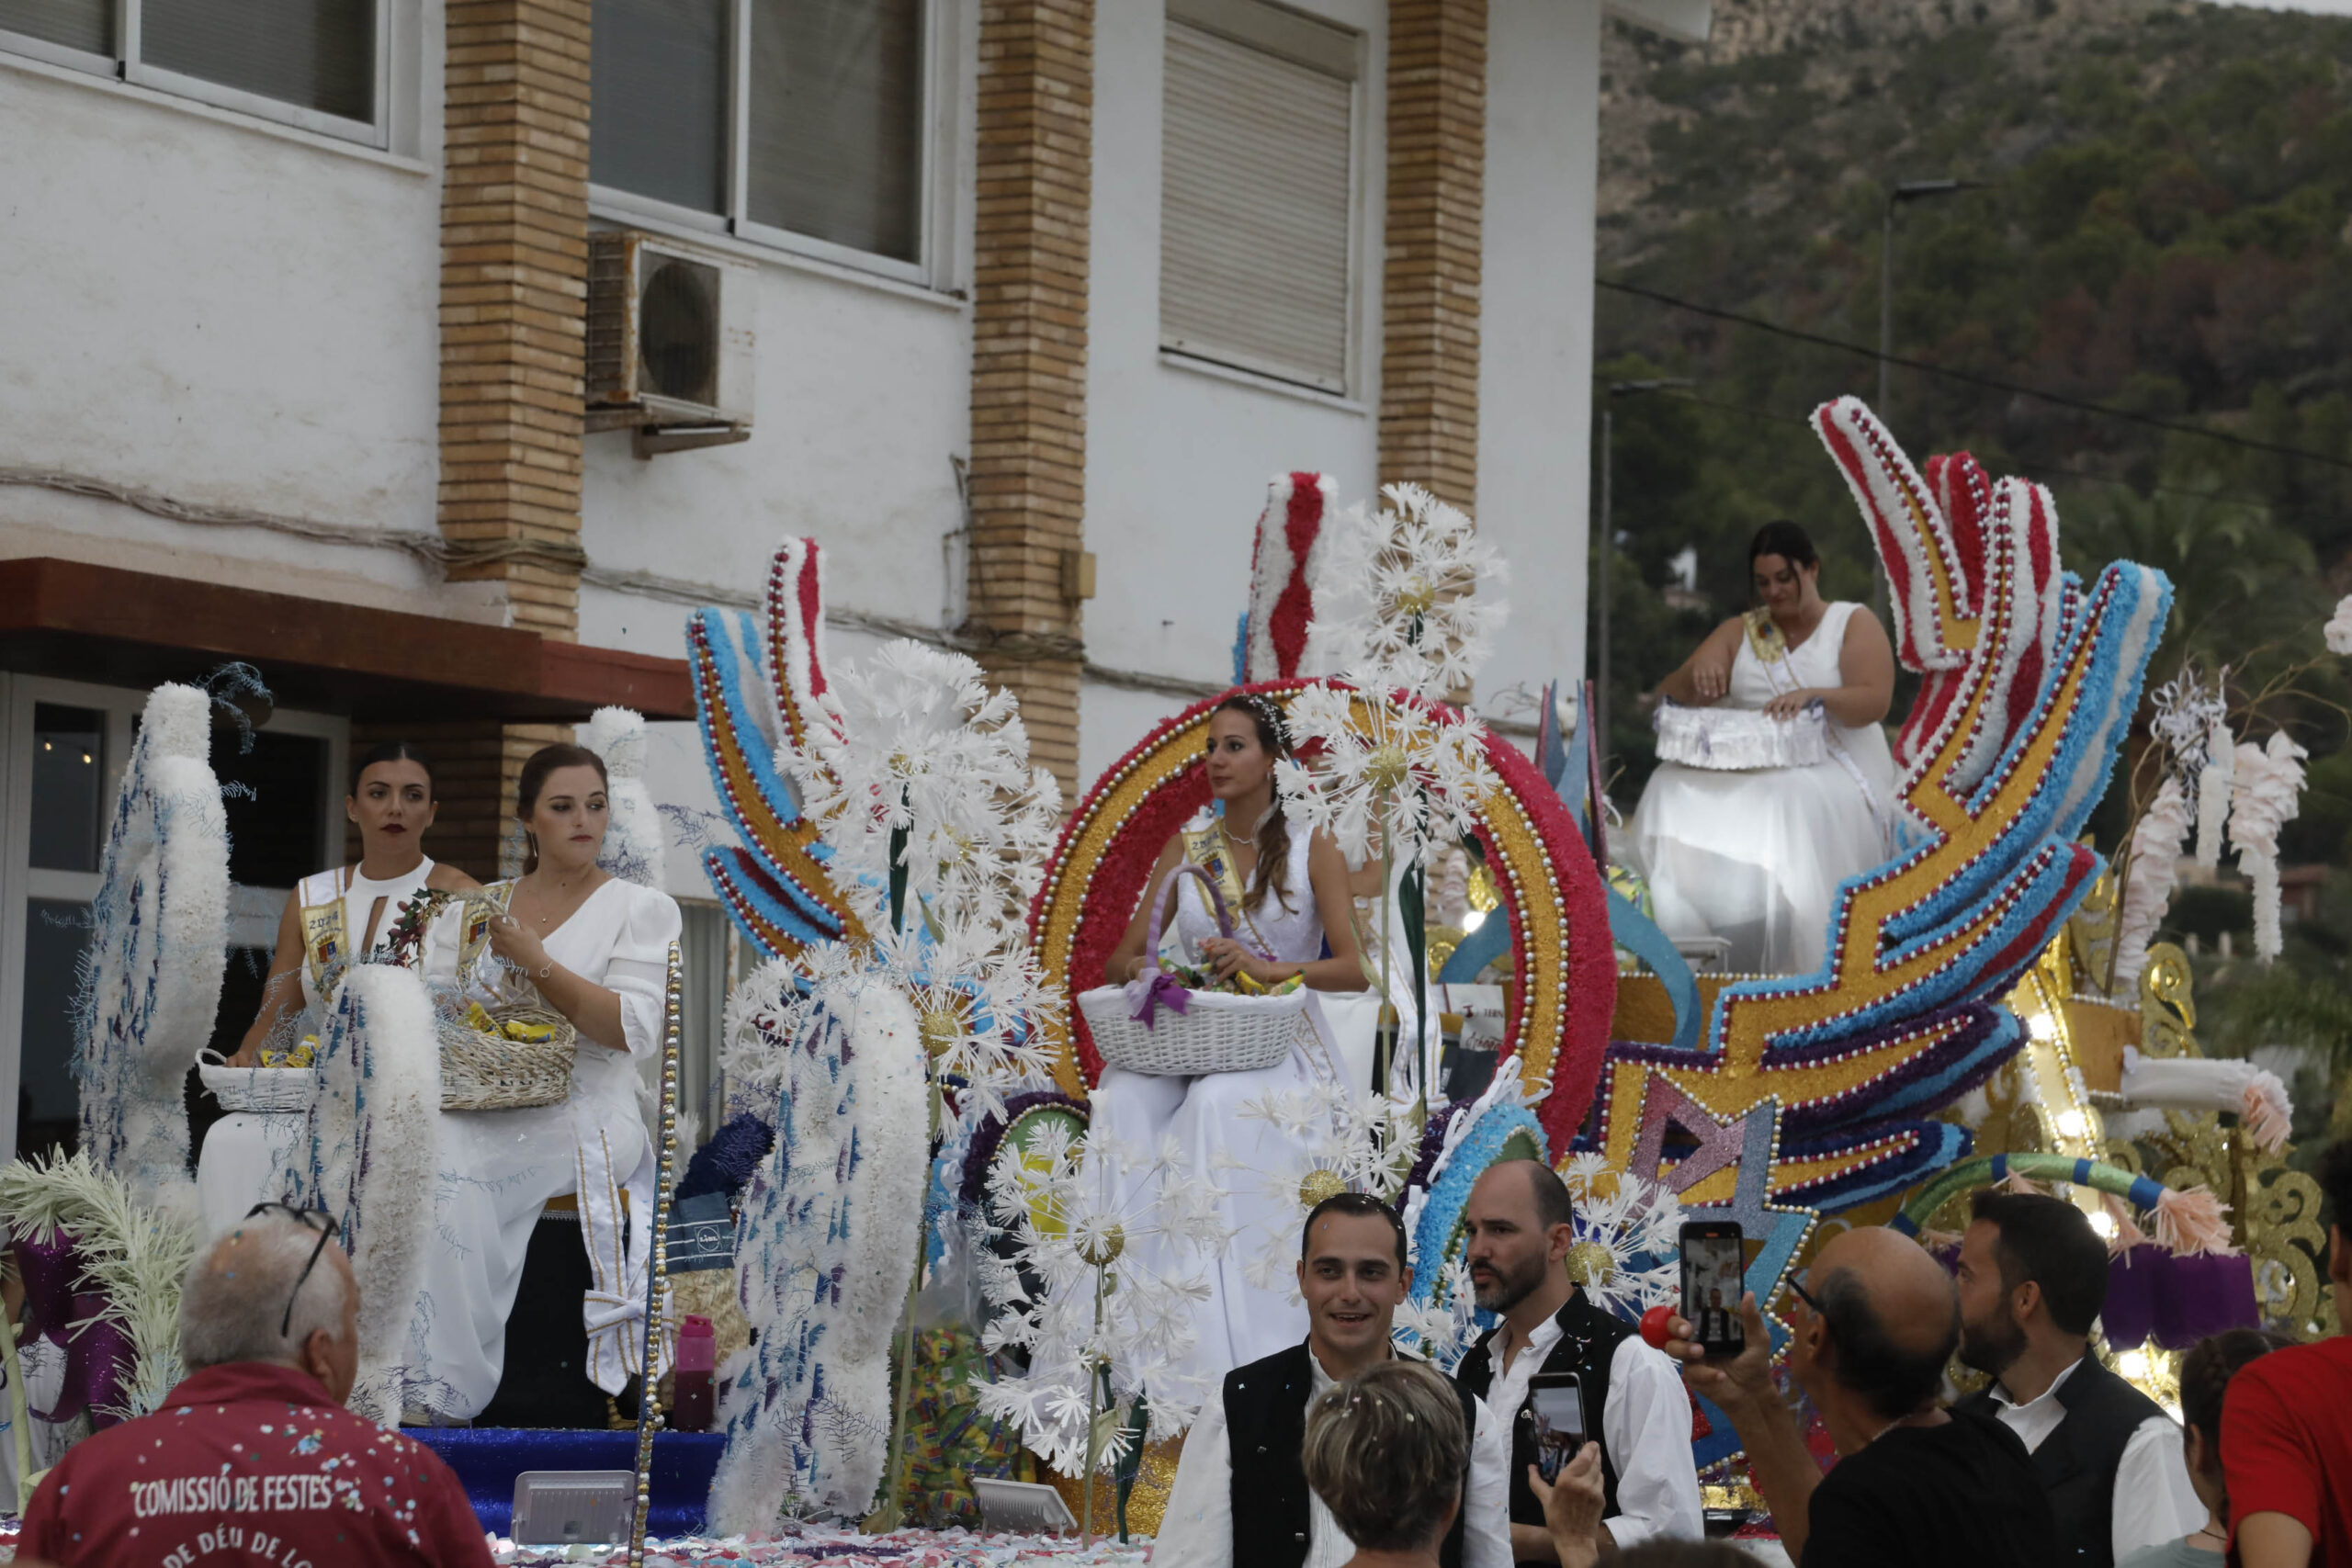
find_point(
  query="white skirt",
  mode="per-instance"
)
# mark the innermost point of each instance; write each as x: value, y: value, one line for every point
x: 1756, y: 857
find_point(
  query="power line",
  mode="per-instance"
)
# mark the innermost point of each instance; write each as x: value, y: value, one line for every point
x: 1990, y: 383
x: 2058, y: 478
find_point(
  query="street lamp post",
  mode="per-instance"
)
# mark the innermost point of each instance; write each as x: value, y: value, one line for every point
x: 1906, y: 190
x: 1599, y: 718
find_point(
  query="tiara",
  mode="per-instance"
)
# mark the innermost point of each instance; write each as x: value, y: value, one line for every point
x: 1267, y: 709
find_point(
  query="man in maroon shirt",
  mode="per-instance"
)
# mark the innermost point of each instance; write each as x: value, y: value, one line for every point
x: 2287, y: 1424
x: 252, y: 1460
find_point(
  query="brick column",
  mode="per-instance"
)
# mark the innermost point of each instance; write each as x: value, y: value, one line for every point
x: 513, y: 357
x: 1437, y: 158
x: 513, y: 301
x: 1028, y: 461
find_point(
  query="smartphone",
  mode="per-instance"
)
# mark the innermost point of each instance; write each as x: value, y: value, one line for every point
x: 1712, y: 1263
x: 1555, y: 1406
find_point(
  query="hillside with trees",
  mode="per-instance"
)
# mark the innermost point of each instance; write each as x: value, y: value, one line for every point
x: 2143, y: 299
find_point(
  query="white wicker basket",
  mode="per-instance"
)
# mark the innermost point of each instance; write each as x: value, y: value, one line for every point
x: 1217, y: 1033
x: 1741, y: 740
x: 264, y: 1091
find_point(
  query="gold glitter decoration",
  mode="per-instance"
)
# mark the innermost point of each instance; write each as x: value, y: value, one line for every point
x: 1416, y: 597
x: 1483, y: 896
x: 1590, y: 1264
x: 1102, y: 1250
x: 1385, y: 768
x: 1146, y: 1504
x: 941, y: 1028
x: 1318, y: 1186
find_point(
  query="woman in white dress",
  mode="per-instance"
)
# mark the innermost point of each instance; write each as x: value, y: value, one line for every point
x: 334, y: 918
x: 1774, y: 781
x: 596, y: 949
x: 1289, y: 896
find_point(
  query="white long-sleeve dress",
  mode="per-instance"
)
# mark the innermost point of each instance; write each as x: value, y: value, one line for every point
x: 1131, y: 1113
x: 1753, y: 854
x: 499, y: 1168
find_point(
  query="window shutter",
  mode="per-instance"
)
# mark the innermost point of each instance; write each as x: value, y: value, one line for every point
x: 86, y: 25
x: 657, y: 77
x: 1257, y: 186
x: 317, y: 55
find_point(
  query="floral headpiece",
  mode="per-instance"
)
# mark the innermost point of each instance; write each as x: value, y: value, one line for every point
x: 1270, y: 713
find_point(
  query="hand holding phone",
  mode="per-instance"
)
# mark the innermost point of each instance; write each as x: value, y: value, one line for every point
x: 1713, y: 1260
x: 1555, y: 1406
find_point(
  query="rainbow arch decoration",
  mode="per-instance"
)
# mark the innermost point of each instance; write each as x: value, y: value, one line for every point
x: 1559, y: 1015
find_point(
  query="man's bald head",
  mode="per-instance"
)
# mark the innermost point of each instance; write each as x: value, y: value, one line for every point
x: 1535, y: 1183
x: 1893, y: 1316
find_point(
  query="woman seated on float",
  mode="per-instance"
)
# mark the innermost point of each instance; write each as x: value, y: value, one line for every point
x: 1290, y: 899
x: 335, y: 918
x: 595, y: 949
x: 1774, y: 781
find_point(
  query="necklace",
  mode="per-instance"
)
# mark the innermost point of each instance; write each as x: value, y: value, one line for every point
x: 1891, y: 1426
x: 2209, y: 1529
x: 560, y: 889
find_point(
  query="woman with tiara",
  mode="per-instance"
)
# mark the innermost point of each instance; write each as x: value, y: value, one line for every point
x: 594, y: 948
x: 1774, y: 782
x: 1290, y: 897
x: 336, y: 917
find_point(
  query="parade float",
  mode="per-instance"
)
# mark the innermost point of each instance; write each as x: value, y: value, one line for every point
x: 914, y: 1287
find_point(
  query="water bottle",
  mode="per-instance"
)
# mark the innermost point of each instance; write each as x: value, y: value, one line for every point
x: 690, y: 1407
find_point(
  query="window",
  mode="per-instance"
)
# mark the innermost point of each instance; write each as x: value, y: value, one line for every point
x: 784, y: 121
x: 316, y: 63
x: 1257, y: 205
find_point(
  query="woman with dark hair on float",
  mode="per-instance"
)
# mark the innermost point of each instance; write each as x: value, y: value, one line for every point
x: 1774, y: 781
x: 334, y: 918
x: 1288, y: 894
x: 595, y: 949
x: 339, y: 916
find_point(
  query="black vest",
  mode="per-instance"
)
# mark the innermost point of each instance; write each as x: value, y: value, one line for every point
x: 2077, y: 1462
x: 1265, y: 1428
x: 1588, y: 1341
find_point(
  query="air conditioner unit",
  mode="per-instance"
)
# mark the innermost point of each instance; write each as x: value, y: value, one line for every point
x: 672, y: 341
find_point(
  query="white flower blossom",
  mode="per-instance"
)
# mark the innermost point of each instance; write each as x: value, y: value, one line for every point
x: 1386, y: 770
x: 2266, y: 791
x: 1417, y: 584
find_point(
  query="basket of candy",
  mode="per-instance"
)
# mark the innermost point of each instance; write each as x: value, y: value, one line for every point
x: 508, y: 1057
x: 283, y: 1084
x: 1177, y: 1020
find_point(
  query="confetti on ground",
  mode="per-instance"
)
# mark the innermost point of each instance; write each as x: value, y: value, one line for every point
x: 834, y: 1546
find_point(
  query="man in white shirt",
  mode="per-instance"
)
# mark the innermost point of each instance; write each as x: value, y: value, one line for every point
x: 1520, y: 1224
x: 2032, y: 1279
x: 1259, y: 1512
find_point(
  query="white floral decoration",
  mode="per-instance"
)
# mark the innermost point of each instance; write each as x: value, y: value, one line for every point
x: 2338, y: 631
x: 1418, y: 584
x: 2156, y: 844
x: 1637, y: 1223
x: 1408, y: 776
x: 2266, y: 792
x: 1334, y: 1140
x: 1442, y: 1328
x: 918, y: 744
x: 2213, y: 790
x: 1091, y: 1282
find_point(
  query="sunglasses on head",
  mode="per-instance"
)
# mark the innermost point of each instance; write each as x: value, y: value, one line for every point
x: 318, y: 1220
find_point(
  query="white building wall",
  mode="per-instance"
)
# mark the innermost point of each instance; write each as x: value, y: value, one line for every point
x: 227, y: 312
x: 1178, y: 457
x: 1535, y: 331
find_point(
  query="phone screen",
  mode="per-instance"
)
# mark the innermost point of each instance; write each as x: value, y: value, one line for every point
x: 1558, y: 1409
x: 1710, y: 1292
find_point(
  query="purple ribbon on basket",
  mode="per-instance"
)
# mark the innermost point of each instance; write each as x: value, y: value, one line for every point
x: 1153, y: 989
x: 98, y: 1355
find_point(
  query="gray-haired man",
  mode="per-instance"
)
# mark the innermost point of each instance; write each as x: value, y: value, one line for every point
x: 252, y: 1458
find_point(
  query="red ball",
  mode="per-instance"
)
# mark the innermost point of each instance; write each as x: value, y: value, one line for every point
x: 1655, y: 1332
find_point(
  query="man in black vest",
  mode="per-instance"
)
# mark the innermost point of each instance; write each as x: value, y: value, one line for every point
x: 1240, y: 1497
x: 1520, y: 1225
x: 2032, y: 1278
